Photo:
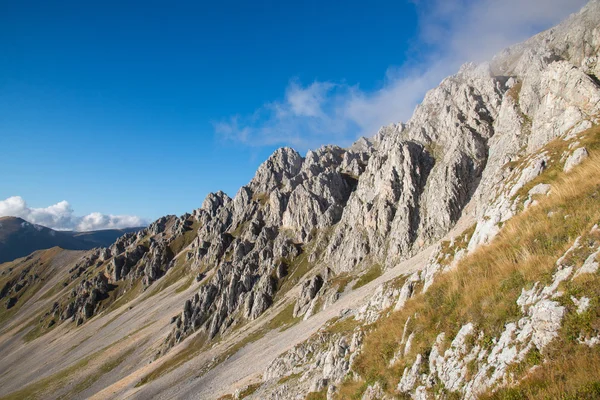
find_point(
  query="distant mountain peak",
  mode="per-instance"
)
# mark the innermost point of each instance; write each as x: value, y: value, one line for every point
x: 19, y: 238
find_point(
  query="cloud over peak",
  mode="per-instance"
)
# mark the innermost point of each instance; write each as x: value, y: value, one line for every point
x: 60, y: 216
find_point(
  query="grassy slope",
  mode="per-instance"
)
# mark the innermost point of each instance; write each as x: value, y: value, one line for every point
x: 40, y: 264
x: 483, y: 289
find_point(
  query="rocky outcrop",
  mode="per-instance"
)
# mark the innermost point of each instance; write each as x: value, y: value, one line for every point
x: 308, y: 294
x: 14, y: 287
x: 252, y: 242
x: 471, y: 367
x: 319, y: 364
x: 143, y: 256
x: 575, y: 159
x: 85, y: 299
x: 383, y: 200
x: 475, y: 139
x: 553, y: 93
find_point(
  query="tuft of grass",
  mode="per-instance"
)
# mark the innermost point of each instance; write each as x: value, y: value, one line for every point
x: 288, y: 378
x: 249, y: 391
x: 343, y: 326
x: 322, y: 395
x: 261, y: 198
x: 371, y: 274
x: 284, y: 319
x: 555, y: 150
x: 574, y: 374
x: 449, y: 249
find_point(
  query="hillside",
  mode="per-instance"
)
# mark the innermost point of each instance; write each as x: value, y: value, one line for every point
x: 451, y: 256
x: 19, y: 238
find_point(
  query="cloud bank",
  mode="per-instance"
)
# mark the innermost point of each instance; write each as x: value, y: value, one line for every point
x: 452, y: 32
x: 60, y: 216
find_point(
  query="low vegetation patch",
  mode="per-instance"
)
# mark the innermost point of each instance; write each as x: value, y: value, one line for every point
x: 340, y: 282
x: 122, y: 295
x: 186, y: 284
x: 322, y: 395
x: 249, y: 391
x: 372, y: 273
x: 297, y: 268
x: 261, y: 198
x: 288, y: 378
x: 284, y: 319
x: 36, y: 268
x: 183, y: 241
x: 343, y: 326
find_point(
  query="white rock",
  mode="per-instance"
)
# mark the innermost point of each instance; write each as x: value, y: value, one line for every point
x: 576, y: 158
x: 410, y: 376
x: 590, y: 264
x: 540, y: 188
x: 582, y: 304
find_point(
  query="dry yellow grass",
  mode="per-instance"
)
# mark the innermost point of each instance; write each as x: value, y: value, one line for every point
x: 483, y: 289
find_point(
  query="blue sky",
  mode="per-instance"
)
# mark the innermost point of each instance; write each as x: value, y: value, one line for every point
x: 134, y: 108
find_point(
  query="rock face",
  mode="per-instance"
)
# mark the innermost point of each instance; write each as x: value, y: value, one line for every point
x: 575, y: 159
x: 460, y: 138
x: 252, y: 242
x: 309, y: 292
x: 554, y: 92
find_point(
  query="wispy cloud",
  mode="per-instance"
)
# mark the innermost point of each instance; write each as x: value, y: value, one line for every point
x: 451, y: 32
x: 61, y: 216
x: 314, y: 108
x: 474, y: 30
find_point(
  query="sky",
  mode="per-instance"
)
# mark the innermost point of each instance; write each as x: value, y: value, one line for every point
x: 114, y: 113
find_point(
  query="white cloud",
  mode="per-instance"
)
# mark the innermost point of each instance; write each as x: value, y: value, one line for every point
x: 61, y: 216
x: 469, y: 30
x: 314, y: 108
x: 451, y: 32
x: 307, y: 102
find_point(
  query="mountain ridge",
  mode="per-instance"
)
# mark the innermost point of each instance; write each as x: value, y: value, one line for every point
x: 19, y: 238
x: 317, y: 233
